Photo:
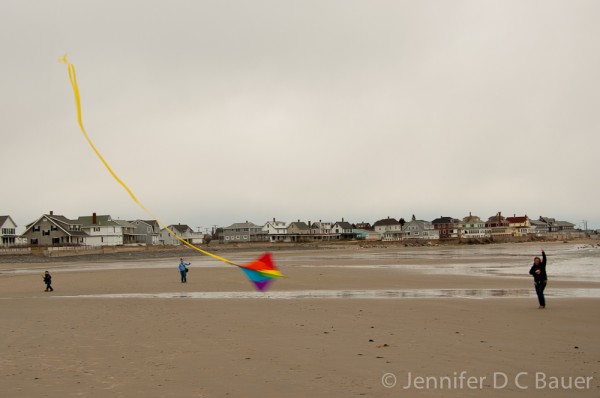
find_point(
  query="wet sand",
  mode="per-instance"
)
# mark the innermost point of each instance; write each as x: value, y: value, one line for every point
x: 60, y: 345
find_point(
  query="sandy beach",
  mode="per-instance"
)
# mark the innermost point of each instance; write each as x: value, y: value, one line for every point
x: 129, y: 328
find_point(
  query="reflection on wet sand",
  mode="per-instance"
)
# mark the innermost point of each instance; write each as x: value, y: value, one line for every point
x: 357, y: 294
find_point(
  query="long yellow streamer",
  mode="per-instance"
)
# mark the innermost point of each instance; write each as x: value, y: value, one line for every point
x: 73, y: 79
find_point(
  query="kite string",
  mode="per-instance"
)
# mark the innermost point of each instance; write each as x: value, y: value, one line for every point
x: 75, y: 86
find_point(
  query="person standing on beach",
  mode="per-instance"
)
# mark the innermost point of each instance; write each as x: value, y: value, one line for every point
x: 48, y: 281
x: 183, y: 270
x: 540, y: 278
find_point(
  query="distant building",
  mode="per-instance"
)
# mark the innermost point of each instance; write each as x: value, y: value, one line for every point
x: 343, y: 229
x: 520, y: 226
x: 472, y: 227
x: 183, y: 231
x: 387, y: 225
x: 557, y: 226
x: 244, y: 232
x: 128, y: 229
x: 298, y: 228
x: 101, y: 230
x: 321, y: 228
x: 54, y: 230
x: 364, y: 225
x: 366, y: 234
x: 447, y: 227
x: 146, y: 231
x: 8, y: 231
x: 275, y: 230
x: 419, y: 229
x: 499, y: 226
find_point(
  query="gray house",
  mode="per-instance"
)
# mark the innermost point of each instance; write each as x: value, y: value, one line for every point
x: 244, y: 232
x: 145, y: 231
x: 420, y: 229
x: 182, y: 230
x: 54, y: 230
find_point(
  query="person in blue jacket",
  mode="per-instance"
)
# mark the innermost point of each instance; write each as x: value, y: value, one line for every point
x: 540, y: 278
x: 183, y: 270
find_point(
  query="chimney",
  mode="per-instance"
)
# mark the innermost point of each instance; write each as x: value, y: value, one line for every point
x: 273, y: 219
x: 51, y: 212
x: 94, y: 219
x: 342, y: 219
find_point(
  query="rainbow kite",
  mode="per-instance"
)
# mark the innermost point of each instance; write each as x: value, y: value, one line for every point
x: 262, y: 272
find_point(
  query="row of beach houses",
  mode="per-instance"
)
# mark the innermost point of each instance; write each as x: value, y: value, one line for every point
x: 103, y: 230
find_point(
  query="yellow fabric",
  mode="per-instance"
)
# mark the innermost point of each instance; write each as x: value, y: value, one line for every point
x: 73, y: 79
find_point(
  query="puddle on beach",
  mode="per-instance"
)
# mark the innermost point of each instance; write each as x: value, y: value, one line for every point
x: 354, y: 294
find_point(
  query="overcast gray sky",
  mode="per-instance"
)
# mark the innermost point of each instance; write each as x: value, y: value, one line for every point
x: 215, y: 112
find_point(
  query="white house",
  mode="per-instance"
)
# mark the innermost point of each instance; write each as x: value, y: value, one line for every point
x: 321, y: 228
x: 343, y: 229
x: 276, y: 230
x: 101, y: 230
x: 8, y: 231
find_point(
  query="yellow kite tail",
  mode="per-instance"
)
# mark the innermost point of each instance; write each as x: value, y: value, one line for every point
x: 73, y: 80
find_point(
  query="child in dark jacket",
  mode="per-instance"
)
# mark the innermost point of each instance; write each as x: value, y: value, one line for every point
x: 48, y: 281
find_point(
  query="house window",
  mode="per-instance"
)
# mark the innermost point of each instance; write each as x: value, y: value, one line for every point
x: 34, y: 241
x: 55, y: 241
x: 36, y: 228
x: 227, y: 238
x: 45, y: 233
x: 96, y: 229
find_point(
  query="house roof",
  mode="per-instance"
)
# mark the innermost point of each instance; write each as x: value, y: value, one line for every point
x: 471, y: 219
x: 152, y: 223
x: 103, y: 220
x: 538, y: 223
x: 299, y: 225
x: 61, y: 222
x: 344, y: 224
x: 496, y: 219
x: 420, y: 223
x: 564, y: 224
x: 386, y: 221
x: 445, y: 220
x: 125, y: 224
x: 517, y: 219
x: 181, y: 228
x: 246, y: 224
x: 3, y: 219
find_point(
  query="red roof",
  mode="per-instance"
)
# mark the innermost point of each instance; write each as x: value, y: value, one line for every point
x: 516, y: 219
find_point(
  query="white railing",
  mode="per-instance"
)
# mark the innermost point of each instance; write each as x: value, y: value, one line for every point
x: 14, y: 250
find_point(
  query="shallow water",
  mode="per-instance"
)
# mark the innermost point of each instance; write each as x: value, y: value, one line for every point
x: 353, y: 294
x: 574, y: 262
